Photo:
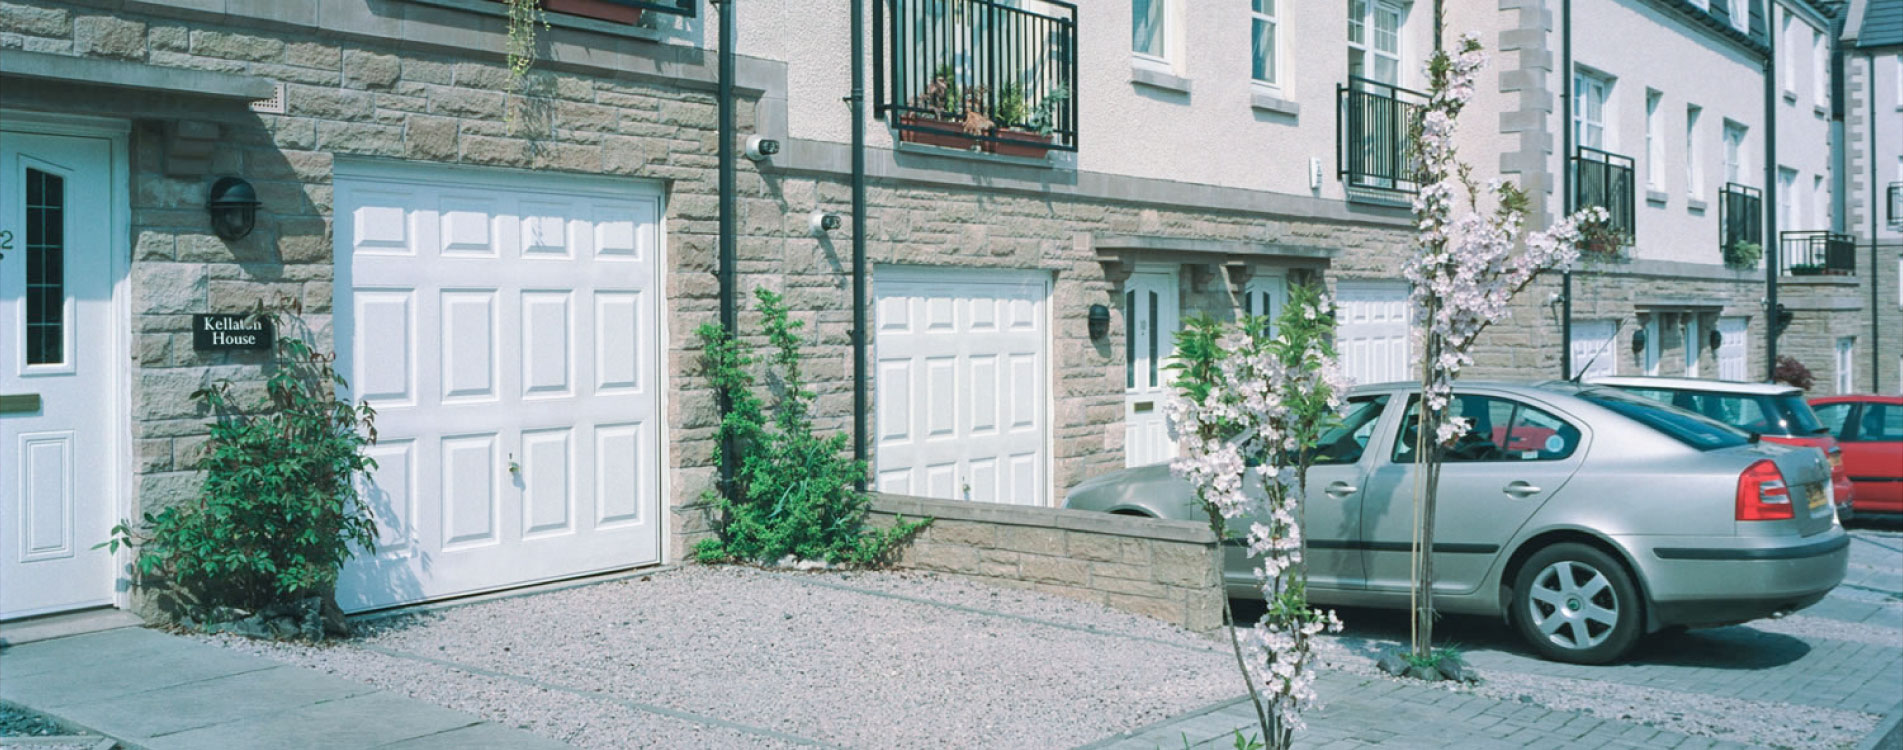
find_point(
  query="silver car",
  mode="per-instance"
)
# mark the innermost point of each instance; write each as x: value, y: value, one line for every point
x: 1585, y: 516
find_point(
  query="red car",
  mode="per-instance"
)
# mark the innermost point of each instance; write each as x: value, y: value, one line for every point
x: 1774, y: 412
x: 1869, y: 429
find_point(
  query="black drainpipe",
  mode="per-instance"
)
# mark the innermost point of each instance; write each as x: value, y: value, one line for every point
x: 1566, y: 180
x: 729, y: 294
x: 858, y: 99
x: 1772, y: 259
x: 1870, y: 124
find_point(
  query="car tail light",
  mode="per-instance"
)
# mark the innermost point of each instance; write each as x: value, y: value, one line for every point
x: 1836, y: 456
x: 1762, y: 495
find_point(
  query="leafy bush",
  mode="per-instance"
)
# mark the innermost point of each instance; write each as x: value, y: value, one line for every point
x: 794, y: 492
x: 279, y: 510
x: 1793, y: 372
x: 1744, y: 254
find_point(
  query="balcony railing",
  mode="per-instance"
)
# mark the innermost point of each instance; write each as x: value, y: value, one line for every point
x: 1818, y: 253
x: 1604, y: 179
x: 1378, y: 125
x: 992, y: 75
x: 1895, y: 201
x: 1741, y: 223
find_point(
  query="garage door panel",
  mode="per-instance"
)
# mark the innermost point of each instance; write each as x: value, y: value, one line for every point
x: 983, y: 394
x: 390, y: 492
x: 524, y: 438
x: 894, y: 386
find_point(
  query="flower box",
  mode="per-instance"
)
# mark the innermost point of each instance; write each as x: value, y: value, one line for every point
x: 1021, y: 143
x: 943, y: 133
x: 600, y: 10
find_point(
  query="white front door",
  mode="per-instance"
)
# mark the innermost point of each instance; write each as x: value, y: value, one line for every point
x: 1150, y: 310
x: 1731, y: 348
x: 1688, y: 336
x: 1265, y: 295
x: 961, y: 384
x: 507, y: 328
x: 1651, y: 362
x: 1371, y: 331
x: 1594, y: 348
x: 57, y: 466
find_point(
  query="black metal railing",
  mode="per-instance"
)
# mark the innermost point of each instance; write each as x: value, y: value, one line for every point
x: 978, y: 74
x: 1895, y: 201
x: 1378, y: 124
x: 1818, y: 253
x: 1604, y: 179
x: 1741, y: 224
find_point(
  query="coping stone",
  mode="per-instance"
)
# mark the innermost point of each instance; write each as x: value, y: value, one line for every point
x: 134, y: 75
x: 1054, y: 518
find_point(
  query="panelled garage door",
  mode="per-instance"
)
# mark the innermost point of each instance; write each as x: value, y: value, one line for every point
x: 961, y: 384
x: 507, y: 330
x: 1372, y: 331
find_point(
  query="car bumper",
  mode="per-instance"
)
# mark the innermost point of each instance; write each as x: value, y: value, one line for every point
x: 1702, y: 581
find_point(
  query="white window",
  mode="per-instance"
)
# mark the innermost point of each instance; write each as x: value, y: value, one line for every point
x: 1265, y: 42
x: 1819, y: 203
x: 1786, y: 204
x: 1149, y: 29
x: 1592, y: 93
x: 1654, y: 142
x: 1694, y: 159
x: 1819, y: 69
x: 1735, y: 157
x: 1374, y: 40
x: 1739, y: 14
x: 1789, y: 62
x: 1846, y: 364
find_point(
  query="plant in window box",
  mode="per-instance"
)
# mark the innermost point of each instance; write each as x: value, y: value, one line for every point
x: 1807, y: 269
x: 1599, y: 240
x: 944, y: 115
x: 1026, y: 131
x: 1743, y: 254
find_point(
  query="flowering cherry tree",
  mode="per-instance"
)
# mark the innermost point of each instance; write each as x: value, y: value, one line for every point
x: 1467, y: 265
x: 1249, y: 408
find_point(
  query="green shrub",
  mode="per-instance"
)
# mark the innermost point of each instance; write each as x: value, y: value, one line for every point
x: 279, y: 510
x: 794, y: 493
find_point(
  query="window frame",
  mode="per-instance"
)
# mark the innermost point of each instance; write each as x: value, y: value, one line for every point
x: 1819, y: 68
x: 1788, y: 214
x: 1367, y: 20
x: 1787, y: 78
x: 1654, y: 141
x: 1587, y: 81
x: 1819, y: 201
x: 1277, y: 80
x: 1409, y: 413
x: 1737, y: 157
x: 1740, y: 14
x: 1694, y: 161
x: 1166, y: 25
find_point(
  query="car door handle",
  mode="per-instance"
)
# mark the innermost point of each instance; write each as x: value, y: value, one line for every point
x: 1339, y: 490
x: 1520, y: 489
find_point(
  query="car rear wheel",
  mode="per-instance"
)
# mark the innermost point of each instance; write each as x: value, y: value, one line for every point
x: 1577, y: 604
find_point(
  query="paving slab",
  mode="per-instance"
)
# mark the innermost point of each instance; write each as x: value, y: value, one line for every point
x: 163, y: 692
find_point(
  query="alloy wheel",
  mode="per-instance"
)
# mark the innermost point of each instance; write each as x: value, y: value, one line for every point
x: 1573, y: 605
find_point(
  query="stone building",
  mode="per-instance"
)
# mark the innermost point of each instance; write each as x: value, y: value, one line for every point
x: 1872, y: 50
x: 512, y: 271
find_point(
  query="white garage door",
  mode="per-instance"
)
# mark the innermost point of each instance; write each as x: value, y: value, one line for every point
x: 507, y: 330
x: 1731, y: 348
x: 1371, y: 331
x: 961, y: 384
x: 1595, y: 348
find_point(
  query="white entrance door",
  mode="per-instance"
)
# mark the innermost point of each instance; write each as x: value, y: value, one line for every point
x: 1151, y: 307
x: 507, y: 330
x: 1692, y: 341
x: 1265, y: 295
x: 961, y: 384
x: 57, y: 465
x: 1651, y: 362
x: 1731, y: 348
x: 1371, y: 331
x: 1595, y: 349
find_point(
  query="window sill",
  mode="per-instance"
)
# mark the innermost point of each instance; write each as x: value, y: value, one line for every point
x: 1143, y: 76
x: 1263, y: 101
x: 1820, y: 110
x: 1695, y: 205
x: 1790, y: 97
x: 1656, y: 197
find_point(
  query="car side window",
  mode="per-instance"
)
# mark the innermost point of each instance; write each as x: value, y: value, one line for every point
x: 1836, y: 417
x: 1500, y: 430
x: 1346, y: 442
x: 1880, y: 422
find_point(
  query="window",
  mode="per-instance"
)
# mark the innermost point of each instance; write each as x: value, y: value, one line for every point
x: 1846, y: 363
x: 1148, y: 28
x: 45, y: 268
x: 1782, y: 416
x: 1654, y: 142
x: 1819, y: 203
x: 1836, y: 418
x: 1346, y: 442
x: 1789, y: 64
x: 1265, y: 44
x: 1694, y: 163
x: 1740, y: 18
x: 1819, y: 69
x: 1374, y: 40
x: 1786, y: 206
x: 1687, y: 427
x: 1592, y: 92
x: 1498, y: 429
x: 1877, y: 423
x: 1735, y: 156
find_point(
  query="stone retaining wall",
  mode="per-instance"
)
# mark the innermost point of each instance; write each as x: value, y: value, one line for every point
x: 1162, y: 569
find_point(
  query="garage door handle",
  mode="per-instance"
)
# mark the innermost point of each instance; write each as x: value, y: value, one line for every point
x: 1520, y: 489
x: 1339, y: 490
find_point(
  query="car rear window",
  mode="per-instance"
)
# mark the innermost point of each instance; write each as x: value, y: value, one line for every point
x: 1687, y: 427
x: 1782, y: 416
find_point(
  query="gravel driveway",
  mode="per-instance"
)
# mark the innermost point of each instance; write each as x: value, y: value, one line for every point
x: 734, y: 657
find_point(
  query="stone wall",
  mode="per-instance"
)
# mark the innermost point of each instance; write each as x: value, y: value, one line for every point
x: 1162, y: 569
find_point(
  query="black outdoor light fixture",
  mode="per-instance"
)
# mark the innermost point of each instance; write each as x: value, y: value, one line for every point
x: 1638, y: 341
x: 1099, y: 321
x: 1715, y: 339
x: 234, y: 208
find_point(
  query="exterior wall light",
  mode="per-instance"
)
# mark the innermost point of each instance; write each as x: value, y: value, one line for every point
x: 1638, y: 341
x: 234, y: 208
x: 1099, y: 322
x: 1715, y: 339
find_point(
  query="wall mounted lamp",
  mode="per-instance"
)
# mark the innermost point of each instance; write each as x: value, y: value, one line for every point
x: 1099, y: 322
x: 1715, y: 339
x: 1638, y: 341
x: 234, y: 208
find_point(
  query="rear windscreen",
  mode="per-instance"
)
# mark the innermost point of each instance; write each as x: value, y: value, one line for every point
x: 1684, y: 426
x: 1782, y: 416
